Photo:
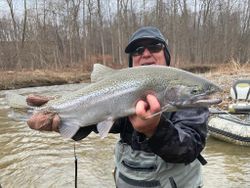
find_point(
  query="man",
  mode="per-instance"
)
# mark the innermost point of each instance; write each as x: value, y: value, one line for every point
x: 163, y: 151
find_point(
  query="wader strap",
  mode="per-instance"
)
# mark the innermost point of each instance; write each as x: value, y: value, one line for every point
x: 172, y: 182
x: 139, y: 183
x: 201, y: 159
x: 114, y: 174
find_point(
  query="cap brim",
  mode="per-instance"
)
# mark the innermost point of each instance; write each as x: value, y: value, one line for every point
x: 132, y: 45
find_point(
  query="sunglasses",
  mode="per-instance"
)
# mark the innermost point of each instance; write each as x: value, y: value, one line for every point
x: 152, y: 48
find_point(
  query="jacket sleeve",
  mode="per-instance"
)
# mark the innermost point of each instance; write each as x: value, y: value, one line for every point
x: 182, y: 137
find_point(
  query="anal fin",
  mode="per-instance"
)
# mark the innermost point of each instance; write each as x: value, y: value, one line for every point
x: 105, y: 126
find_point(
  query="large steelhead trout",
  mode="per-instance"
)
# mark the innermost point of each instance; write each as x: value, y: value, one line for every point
x: 114, y: 94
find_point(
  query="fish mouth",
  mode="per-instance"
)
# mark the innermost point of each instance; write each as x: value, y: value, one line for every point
x: 201, y: 100
x: 207, y: 102
x: 184, y: 97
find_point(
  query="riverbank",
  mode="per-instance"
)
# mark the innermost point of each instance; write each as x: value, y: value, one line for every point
x: 15, y: 79
x: 28, y: 78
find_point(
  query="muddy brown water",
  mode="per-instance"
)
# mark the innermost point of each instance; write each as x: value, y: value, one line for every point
x: 30, y: 158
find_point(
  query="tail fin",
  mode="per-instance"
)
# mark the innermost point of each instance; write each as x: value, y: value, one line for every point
x: 20, y: 110
x: 15, y: 100
x: 19, y: 115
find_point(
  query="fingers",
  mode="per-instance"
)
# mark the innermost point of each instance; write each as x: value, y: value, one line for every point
x: 151, y: 106
x: 141, y: 108
x: 44, y: 122
x: 153, y: 103
x: 145, y: 109
x: 37, y: 100
x: 55, y: 123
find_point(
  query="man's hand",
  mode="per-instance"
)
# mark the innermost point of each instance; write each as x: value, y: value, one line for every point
x: 37, y: 100
x: 42, y: 121
x: 143, y: 111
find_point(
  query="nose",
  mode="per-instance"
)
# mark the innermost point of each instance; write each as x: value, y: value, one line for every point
x: 146, y: 53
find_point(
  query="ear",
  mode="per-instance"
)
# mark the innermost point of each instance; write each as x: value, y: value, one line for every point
x: 130, y: 60
x: 167, y: 56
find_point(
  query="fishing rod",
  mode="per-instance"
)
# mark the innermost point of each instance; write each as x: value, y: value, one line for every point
x: 75, y: 165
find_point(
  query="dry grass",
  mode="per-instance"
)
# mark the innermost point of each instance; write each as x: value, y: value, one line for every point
x: 225, y: 75
x: 27, y: 78
x: 30, y: 78
x: 234, y: 68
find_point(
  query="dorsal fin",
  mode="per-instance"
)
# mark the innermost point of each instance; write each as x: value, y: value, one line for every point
x: 100, y: 71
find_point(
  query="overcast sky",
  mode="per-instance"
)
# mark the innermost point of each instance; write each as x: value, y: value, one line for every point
x: 17, y: 4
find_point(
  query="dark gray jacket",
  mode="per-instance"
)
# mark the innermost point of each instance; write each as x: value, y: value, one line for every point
x: 179, y: 138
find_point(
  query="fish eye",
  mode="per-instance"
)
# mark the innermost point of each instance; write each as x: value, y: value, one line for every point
x: 195, y: 91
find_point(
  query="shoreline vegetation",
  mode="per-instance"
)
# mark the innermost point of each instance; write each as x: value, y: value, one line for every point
x: 16, y: 79
x: 224, y: 75
x: 28, y: 78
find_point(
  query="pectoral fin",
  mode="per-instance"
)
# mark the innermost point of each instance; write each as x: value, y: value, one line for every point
x: 105, y: 126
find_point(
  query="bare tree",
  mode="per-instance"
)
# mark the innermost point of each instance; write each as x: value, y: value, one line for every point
x: 101, y: 30
x: 15, y: 38
x: 57, y: 33
x: 119, y: 32
x: 24, y: 22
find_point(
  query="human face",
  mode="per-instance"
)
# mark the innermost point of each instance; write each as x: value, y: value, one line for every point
x: 147, y: 57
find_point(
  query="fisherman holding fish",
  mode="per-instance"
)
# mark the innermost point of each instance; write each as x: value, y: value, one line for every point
x: 157, y: 148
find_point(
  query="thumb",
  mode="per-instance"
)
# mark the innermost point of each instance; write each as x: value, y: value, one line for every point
x: 141, y: 108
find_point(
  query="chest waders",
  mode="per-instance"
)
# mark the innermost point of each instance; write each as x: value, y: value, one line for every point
x: 135, y: 169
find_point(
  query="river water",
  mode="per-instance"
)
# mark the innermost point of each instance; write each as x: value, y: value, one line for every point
x: 30, y: 158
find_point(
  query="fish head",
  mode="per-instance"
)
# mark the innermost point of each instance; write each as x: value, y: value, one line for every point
x: 195, y: 95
